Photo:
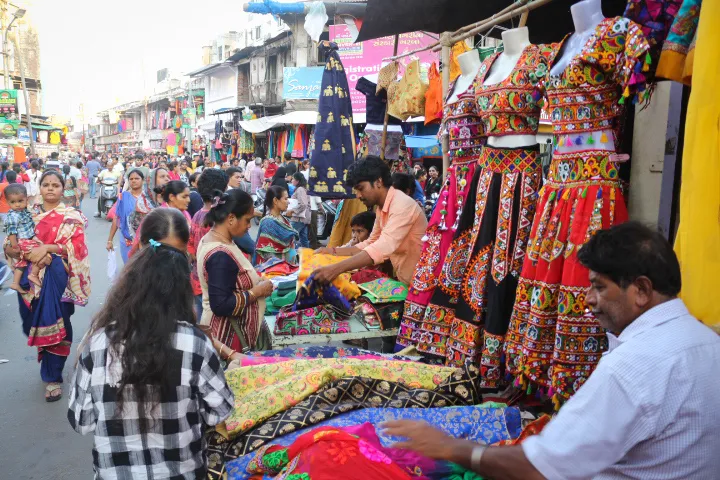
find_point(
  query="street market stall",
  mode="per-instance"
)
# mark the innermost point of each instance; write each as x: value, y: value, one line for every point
x: 497, y: 300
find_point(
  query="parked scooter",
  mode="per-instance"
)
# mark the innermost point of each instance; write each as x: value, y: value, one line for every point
x: 109, y: 190
x: 259, y: 203
x: 326, y: 218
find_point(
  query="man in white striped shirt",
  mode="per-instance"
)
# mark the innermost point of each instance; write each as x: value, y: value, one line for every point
x: 648, y: 411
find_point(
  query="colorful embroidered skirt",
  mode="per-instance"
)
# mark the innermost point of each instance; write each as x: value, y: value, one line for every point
x: 468, y: 315
x: 438, y: 235
x: 552, y: 342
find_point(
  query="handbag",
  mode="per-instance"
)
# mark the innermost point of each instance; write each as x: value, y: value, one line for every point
x: 264, y: 340
x: 378, y: 316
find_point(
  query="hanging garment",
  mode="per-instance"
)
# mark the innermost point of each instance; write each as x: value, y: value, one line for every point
x: 334, y: 136
x: 676, y: 59
x: 387, y: 75
x: 698, y: 237
x: 464, y: 127
x: 55, y: 138
x: 458, y: 49
x: 393, y: 138
x: 433, y: 96
x: 375, y: 103
x: 552, y: 342
x: 655, y: 18
x: 409, y: 98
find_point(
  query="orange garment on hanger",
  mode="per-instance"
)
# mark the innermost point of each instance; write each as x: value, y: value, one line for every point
x: 458, y: 49
x: 433, y: 96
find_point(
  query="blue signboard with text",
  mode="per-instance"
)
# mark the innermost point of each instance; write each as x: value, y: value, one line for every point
x: 302, y: 82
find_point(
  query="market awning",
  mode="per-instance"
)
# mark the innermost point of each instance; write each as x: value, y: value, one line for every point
x: 44, y: 127
x: 548, y: 23
x: 300, y: 117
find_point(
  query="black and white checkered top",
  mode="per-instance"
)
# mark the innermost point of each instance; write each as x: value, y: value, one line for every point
x: 173, y: 446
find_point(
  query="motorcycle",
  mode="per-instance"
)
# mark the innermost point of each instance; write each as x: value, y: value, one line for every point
x: 430, y: 204
x: 259, y: 203
x: 109, y: 190
x: 326, y: 218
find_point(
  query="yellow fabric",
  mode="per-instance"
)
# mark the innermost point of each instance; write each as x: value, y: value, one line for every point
x: 309, y: 261
x: 458, y: 49
x: 409, y: 99
x: 261, y: 391
x: 341, y: 232
x: 698, y: 239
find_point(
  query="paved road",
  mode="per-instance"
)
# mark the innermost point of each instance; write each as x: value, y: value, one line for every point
x: 36, y: 441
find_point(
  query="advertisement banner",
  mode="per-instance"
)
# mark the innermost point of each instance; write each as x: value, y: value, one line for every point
x: 8, y: 131
x: 302, y: 82
x: 8, y: 104
x: 23, y: 135
x: 366, y: 58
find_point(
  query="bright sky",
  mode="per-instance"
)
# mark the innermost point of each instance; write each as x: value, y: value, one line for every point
x: 101, y: 52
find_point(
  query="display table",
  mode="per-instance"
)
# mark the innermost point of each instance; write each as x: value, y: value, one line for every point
x: 357, y: 331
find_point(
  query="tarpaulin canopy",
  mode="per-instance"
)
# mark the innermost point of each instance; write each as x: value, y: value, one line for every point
x: 548, y: 23
x: 299, y: 117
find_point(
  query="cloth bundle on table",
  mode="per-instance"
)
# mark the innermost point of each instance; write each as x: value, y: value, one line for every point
x: 334, y: 137
x: 467, y: 316
x: 264, y: 390
x: 488, y: 424
x: 462, y: 123
x: 309, y: 261
x: 552, y: 341
x: 381, y: 306
x: 276, y: 267
x: 342, y: 396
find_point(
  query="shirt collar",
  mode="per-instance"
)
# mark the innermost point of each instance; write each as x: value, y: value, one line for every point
x: 654, y: 317
x: 388, y: 199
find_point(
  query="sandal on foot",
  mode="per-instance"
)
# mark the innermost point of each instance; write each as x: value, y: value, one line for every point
x: 51, y: 392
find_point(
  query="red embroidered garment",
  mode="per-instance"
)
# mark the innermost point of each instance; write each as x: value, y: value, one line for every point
x: 326, y: 453
x: 588, y: 96
x: 512, y: 107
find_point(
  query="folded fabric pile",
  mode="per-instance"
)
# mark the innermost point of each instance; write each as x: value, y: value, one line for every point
x: 314, y: 386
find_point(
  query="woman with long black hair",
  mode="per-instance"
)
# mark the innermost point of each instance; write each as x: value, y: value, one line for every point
x: 148, y: 381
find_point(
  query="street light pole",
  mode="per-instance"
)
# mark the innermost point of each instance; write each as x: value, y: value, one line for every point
x: 19, y: 13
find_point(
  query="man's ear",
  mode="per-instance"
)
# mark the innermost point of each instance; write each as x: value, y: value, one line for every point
x: 644, y: 288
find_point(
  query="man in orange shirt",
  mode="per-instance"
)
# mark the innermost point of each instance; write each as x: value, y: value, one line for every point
x: 399, y: 225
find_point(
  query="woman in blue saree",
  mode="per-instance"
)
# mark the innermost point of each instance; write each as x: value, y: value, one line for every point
x: 125, y: 206
x: 46, y: 310
x: 276, y: 236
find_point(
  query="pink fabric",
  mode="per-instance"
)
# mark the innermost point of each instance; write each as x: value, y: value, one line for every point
x: 251, y: 361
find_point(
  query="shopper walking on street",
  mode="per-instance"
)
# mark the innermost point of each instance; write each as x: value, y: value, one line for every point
x: 46, y: 310
x: 148, y: 382
x: 124, y: 207
x: 300, y: 215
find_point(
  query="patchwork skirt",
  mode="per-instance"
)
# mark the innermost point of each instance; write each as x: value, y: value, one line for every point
x: 468, y: 315
x: 552, y: 342
x: 454, y: 195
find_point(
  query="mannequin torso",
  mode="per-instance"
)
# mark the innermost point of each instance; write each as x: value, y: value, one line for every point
x: 469, y: 66
x: 586, y: 15
x: 514, y: 42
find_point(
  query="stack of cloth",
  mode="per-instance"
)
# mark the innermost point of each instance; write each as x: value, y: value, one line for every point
x: 284, y: 276
x: 280, y: 395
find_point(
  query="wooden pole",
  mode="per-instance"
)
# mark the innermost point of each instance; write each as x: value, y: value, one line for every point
x: 445, y: 59
x: 383, y: 141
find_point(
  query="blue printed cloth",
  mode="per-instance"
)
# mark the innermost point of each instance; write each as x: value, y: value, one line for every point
x: 477, y: 423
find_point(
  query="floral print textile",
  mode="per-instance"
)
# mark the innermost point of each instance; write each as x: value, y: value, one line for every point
x: 264, y: 390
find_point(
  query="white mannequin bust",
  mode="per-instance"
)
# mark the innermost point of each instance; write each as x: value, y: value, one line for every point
x: 514, y: 43
x: 469, y: 66
x: 586, y: 15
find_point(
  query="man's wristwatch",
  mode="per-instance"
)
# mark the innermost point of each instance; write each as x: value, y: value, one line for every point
x: 476, y: 457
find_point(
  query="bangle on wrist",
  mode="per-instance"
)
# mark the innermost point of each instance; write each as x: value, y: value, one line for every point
x: 476, y: 457
x: 222, y: 347
x: 252, y: 295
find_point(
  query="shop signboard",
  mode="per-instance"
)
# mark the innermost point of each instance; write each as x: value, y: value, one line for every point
x: 8, y: 132
x: 8, y: 103
x: 302, y: 82
x: 23, y: 135
x: 366, y: 58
